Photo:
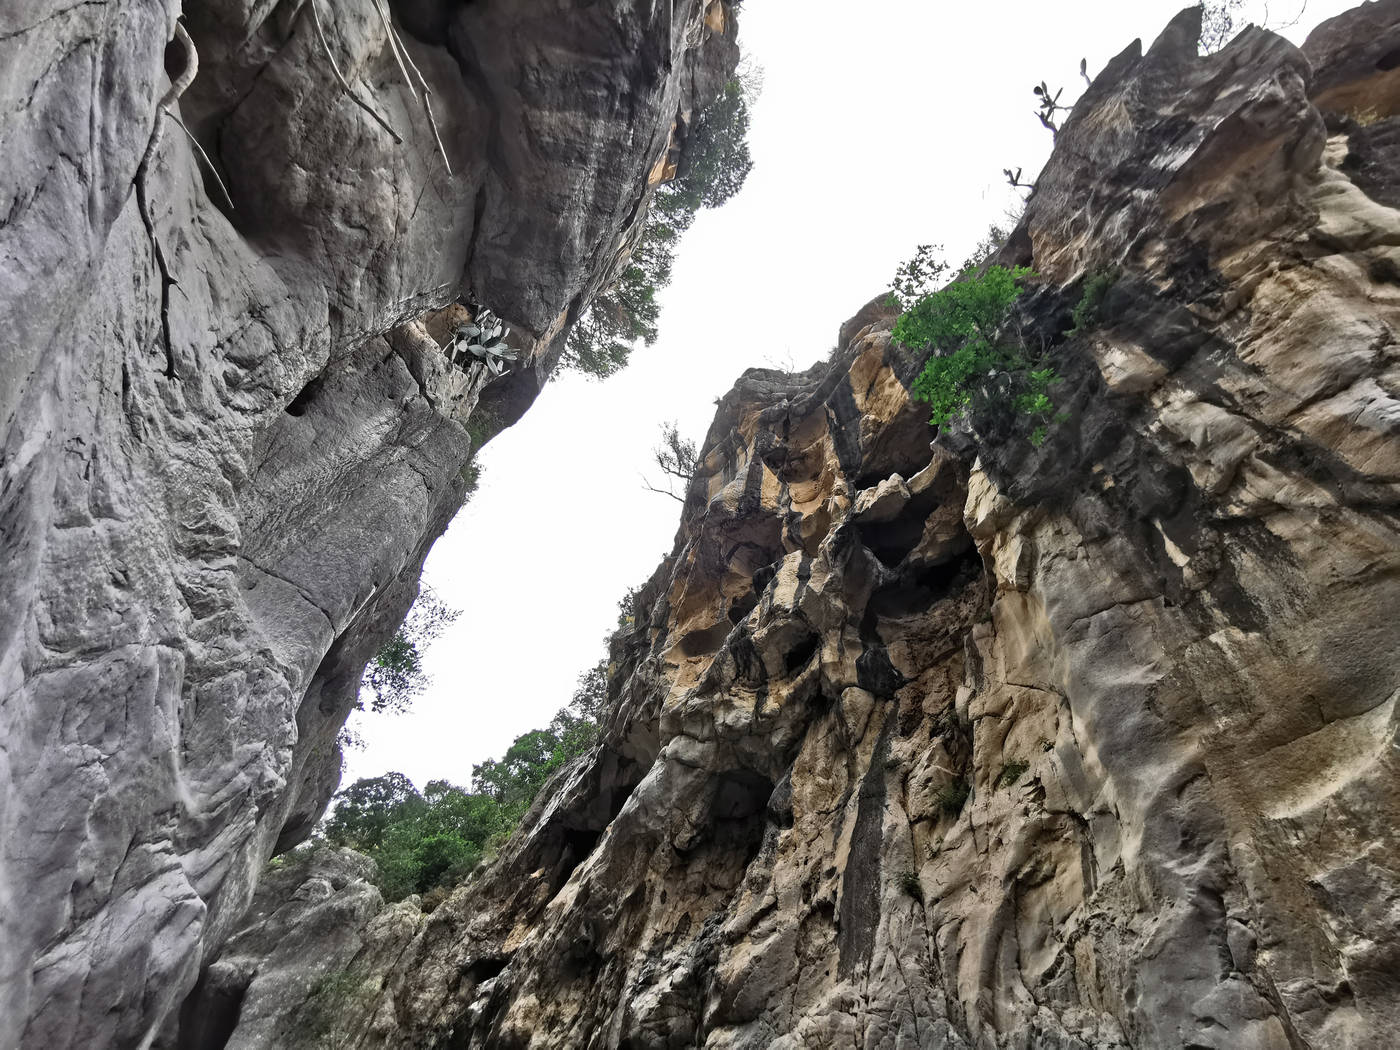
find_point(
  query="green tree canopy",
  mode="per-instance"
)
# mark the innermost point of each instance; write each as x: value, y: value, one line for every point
x: 367, y: 808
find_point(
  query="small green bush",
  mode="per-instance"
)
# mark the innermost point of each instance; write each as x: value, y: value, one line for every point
x: 962, y: 324
x: 1010, y: 773
x: 1086, y: 311
x: 917, y: 277
x: 471, y: 478
x: 954, y: 796
x: 424, y: 843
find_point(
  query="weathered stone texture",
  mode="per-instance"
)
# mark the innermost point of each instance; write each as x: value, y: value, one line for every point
x: 1085, y: 745
x: 203, y: 537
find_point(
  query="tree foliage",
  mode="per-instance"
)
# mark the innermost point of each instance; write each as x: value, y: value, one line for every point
x: 715, y: 161
x: 423, y: 841
x: 677, y: 459
x: 395, y: 677
x: 919, y: 276
x: 1218, y: 26
x: 962, y: 325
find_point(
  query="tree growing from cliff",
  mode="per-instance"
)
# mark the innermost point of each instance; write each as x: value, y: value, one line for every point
x: 715, y: 161
x: 395, y: 677
x: 677, y: 460
x: 1218, y: 24
x: 515, y: 780
x: 918, y: 276
x: 962, y: 325
x: 366, y: 810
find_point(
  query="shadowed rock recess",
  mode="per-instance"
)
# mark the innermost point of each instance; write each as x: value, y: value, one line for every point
x: 217, y: 490
x: 972, y: 745
x: 1084, y: 745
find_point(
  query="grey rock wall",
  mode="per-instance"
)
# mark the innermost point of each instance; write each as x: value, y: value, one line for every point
x: 216, y: 492
x: 1090, y: 744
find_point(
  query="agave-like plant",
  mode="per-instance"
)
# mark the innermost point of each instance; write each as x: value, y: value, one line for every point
x: 484, y: 338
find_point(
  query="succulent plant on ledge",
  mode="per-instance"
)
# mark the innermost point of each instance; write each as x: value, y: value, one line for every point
x: 483, y: 338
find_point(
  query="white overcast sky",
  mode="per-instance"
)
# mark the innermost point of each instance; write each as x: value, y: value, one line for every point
x: 881, y: 125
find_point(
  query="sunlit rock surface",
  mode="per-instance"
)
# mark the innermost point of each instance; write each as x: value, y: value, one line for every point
x: 216, y: 494
x: 1084, y: 745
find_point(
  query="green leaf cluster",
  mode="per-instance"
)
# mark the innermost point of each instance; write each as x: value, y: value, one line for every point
x: 954, y: 795
x: 422, y: 841
x: 910, y: 883
x: 962, y: 324
x: 1011, y: 773
x: 395, y: 676
x: 967, y: 313
x: 1087, y: 310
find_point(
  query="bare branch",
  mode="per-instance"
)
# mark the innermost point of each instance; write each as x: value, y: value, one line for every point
x: 143, y: 204
x: 345, y: 85
x: 665, y: 492
x: 207, y: 162
x: 676, y: 457
x: 401, y: 56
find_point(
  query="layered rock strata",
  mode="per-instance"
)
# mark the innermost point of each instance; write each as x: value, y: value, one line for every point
x: 990, y: 744
x: 227, y: 439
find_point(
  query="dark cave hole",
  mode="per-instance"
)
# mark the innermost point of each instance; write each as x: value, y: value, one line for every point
x: 175, y: 59
x: 800, y: 655
x: 917, y: 591
x: 762, y: 578
x: 739, y: 812
x: 209, y: 1017
x: 892, y: 541
x: 308, y: 394
x: 876, y: 674
x: 742, y: 606
x: 577, y: 844
x: 1388, y: 61
x: 701, y: 643
x: 482, y: 970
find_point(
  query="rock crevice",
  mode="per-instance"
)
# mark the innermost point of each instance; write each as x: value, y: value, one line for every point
x: 217, y: 490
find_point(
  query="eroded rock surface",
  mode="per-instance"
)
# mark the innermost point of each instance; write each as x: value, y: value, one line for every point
x: 216, y: 491
x: 1091, y: 744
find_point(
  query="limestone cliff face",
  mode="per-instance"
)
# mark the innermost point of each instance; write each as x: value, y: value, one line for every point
x: 988, y: 745
x: 216, y: 491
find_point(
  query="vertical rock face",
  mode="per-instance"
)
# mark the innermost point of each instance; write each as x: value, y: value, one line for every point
x: 216, y: 490
x: 984, y: 744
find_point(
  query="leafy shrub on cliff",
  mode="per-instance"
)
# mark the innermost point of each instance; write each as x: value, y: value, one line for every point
x: 1087, y: 310
x: 918, y: 276
x: 602, y: 339
x: 953, y: 796
x: 1011, y: 773
x: 715, y: 161
x: 417, y: 841
x: 910, y: 883
x: 1218, y: 23
x: 962, y: 324
x: 395, y: 676
x: 515, y: 780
